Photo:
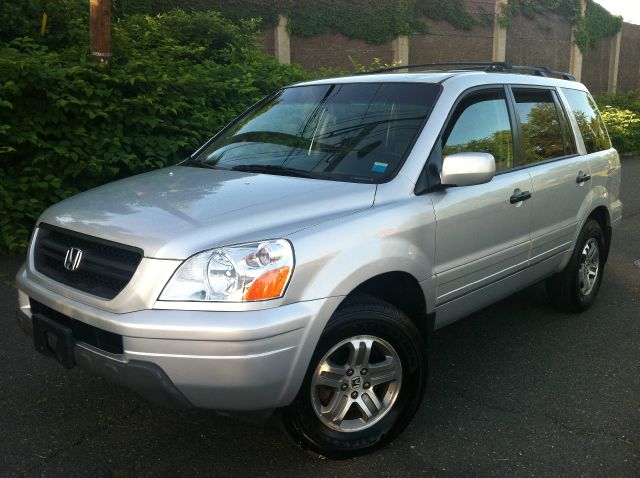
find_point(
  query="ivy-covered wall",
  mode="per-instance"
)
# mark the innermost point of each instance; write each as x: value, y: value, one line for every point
x: 597, y: 23
x: 379, y: 21
x: 329, y: 33
x: 374, y: 21
x: 336, y: 51
x: 475, y: 44
x: 528, y: 43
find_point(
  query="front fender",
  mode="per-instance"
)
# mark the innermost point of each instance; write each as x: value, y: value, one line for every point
x: 336, y: 257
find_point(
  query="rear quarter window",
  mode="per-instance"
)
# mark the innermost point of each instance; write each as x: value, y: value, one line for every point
x: 592, y: 128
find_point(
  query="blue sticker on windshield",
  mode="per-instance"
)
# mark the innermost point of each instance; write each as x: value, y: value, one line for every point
x: 379, y: 167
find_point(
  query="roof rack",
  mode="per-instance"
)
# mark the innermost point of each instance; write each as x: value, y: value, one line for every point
x: 488, y: 66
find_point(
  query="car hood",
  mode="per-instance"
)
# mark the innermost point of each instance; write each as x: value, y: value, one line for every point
x: 175, y: 212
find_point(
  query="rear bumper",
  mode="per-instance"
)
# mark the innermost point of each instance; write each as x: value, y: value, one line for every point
x: 616, y: 213
x: 229, y: 361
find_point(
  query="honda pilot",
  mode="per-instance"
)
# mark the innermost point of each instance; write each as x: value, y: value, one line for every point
x: 299, y: 261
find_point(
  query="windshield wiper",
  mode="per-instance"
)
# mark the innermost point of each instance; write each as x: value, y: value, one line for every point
x: 274, y: 169
x: 196, y: 163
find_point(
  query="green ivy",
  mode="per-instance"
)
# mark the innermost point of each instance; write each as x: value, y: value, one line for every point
x: 453, y: 12
x: 380, y: 21
x: 597, y: 23
x: 570, y: 9
x: 375, y: 21
x: 267, y: 10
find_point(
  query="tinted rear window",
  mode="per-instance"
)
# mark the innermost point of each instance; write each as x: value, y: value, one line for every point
x: 542, y: 131
x: 589, y: 121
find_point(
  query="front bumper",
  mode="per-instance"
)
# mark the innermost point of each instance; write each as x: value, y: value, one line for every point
x: 232, y: 361
x: 146, y: 378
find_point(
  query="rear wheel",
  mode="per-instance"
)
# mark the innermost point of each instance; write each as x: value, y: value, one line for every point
x: 365, y: 381
x: 576, y: 287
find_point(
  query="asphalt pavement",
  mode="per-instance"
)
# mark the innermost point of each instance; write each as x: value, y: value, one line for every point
x: 517, y: 389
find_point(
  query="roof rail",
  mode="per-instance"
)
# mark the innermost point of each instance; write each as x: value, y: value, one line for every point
x: 488, y: 66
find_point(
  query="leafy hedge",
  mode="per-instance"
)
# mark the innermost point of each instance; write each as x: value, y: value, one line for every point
x: 621, y: 113
x: 66, y: 126
x: 65, y: 21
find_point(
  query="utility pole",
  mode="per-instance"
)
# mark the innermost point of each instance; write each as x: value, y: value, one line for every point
x: 100, y: 31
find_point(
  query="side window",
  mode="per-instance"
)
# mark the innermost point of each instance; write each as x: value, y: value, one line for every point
x: 481, y: 124
x: 589, y: 121
x: 542, y: 132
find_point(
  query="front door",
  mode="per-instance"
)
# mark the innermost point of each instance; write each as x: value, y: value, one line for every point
x: 482, y: 231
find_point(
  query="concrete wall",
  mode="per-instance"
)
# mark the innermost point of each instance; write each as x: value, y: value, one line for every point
x: 333, y: 50
x: 268, y: 41
x: 595, y: 67
x: 545, y: 40
x: 629, y: 69
x: 447, y: 43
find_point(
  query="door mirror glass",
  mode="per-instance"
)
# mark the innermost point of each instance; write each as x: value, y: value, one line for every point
x: 467, y: 169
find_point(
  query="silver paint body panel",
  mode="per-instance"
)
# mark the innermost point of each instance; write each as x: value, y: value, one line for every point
x: 465, y: 246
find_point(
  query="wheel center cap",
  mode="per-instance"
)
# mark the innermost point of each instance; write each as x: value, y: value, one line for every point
x: 355, y: 382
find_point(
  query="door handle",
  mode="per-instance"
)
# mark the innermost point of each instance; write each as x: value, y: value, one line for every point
x: 582, y: 178
x: 519, y: 197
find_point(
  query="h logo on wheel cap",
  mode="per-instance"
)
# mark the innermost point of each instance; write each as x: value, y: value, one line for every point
x: 355, y: 382
x: 72, y: 259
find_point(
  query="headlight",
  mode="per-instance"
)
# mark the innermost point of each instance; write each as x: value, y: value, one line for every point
x: 246, y: 272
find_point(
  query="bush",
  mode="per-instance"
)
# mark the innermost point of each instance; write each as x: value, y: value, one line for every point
x: 66, y: 126
x: 624, y: 128
x: 621, y: 113
x: 66, y: 21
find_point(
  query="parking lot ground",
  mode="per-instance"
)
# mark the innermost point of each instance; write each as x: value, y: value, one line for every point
x: 517, y: 389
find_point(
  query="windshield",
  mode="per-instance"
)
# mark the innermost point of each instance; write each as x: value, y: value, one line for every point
x: 348, y: 132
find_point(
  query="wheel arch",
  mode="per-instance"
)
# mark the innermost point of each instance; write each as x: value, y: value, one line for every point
x: 402, y: 290
x: 602, y: 215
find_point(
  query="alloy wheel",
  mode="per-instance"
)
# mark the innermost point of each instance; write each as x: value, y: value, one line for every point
x: 356, y: 383
x: 589, y: 266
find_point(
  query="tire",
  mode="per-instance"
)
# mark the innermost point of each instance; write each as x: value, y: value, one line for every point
x: 570, y: 290
x: 392, y: 340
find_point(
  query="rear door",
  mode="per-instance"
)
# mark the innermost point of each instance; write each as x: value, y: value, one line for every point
x: 603, y: 159
x: 560, y: 176
x: 482, y: 235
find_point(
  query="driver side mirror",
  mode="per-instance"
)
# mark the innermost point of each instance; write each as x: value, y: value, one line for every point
x: 467, y: 169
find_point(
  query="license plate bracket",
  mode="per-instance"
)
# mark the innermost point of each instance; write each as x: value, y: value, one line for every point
x: 54, y: 340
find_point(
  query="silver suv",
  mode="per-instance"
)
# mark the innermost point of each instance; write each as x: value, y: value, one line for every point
x: 301, y: 258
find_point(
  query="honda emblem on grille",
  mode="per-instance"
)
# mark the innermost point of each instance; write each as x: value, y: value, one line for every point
x: 72, y: 259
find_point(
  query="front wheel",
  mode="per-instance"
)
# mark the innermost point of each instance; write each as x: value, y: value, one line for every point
x: 576, y: 287
x: 365, y: 381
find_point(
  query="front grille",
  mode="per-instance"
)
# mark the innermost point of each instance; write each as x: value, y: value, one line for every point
x: 105, y: 269
x: 107, y: 341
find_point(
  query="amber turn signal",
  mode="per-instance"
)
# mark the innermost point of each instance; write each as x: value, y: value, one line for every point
x: 269, y: 285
